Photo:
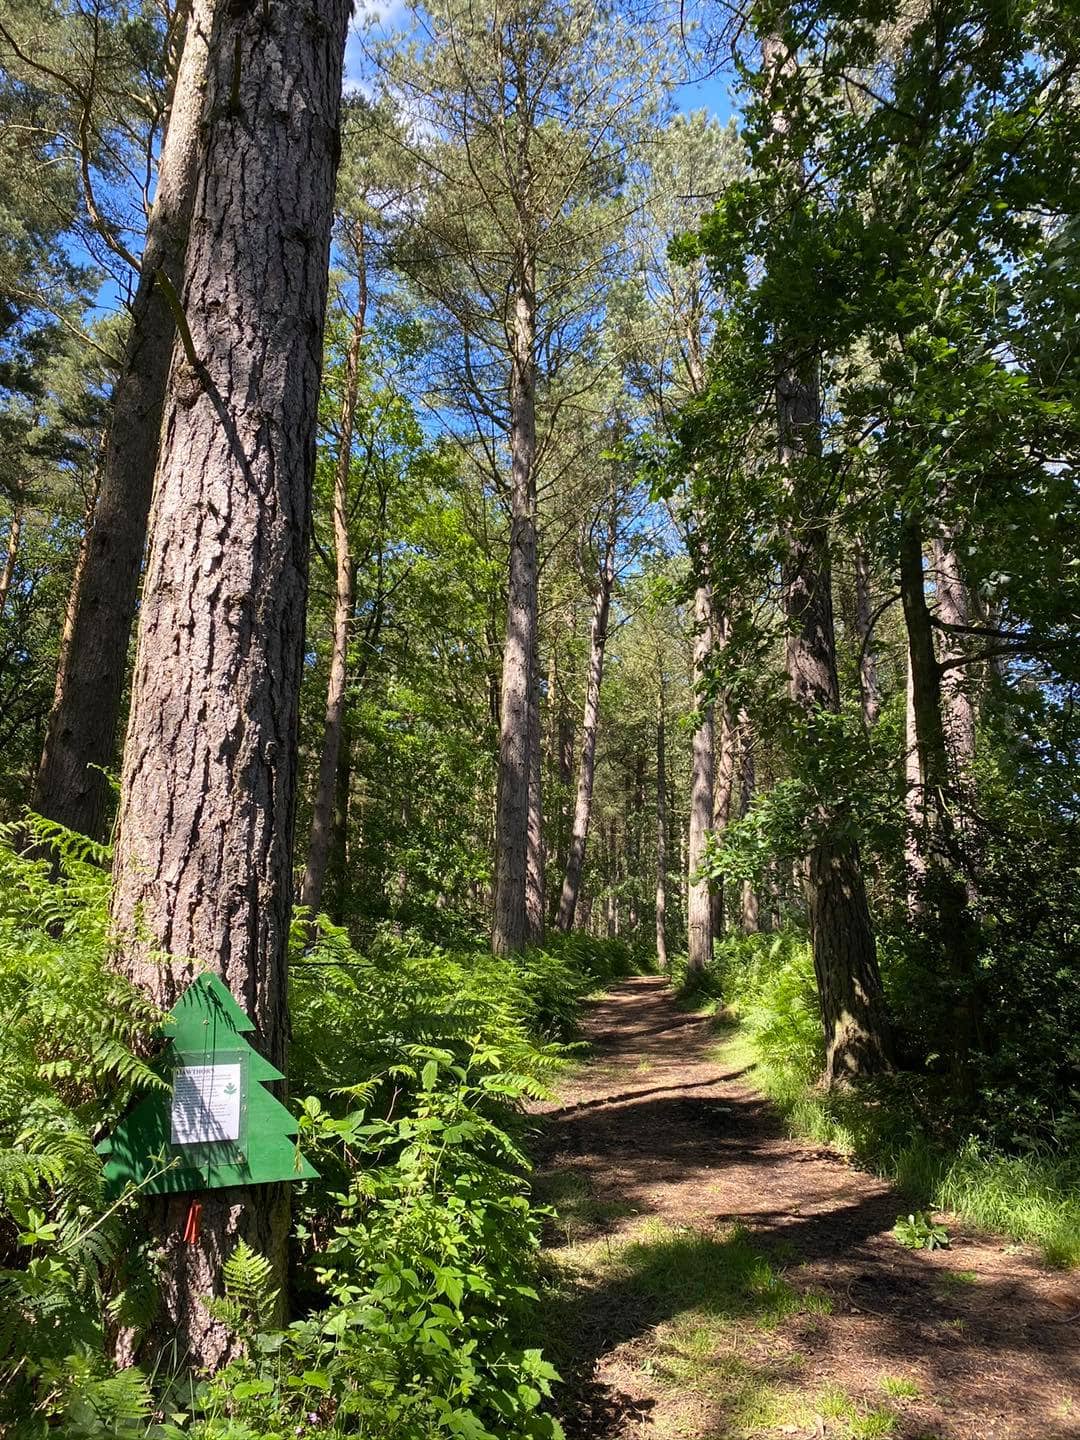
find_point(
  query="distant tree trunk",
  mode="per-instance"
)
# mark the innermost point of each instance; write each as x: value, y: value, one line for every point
x: 322, y: 810
x: 510, y: 928
x: 699, y: 904
x: 81, y: 738
x: 10, y: 556
x: 748, y: 916
x: 575, y: 860
x: 857, y: 1040
x: 661, y: 827
x: 725, y: 784
x: 204, y: 849
x: 868, y: 674
x: 535, y: 879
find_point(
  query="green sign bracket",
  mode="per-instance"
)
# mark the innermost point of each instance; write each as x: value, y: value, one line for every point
x: 217, y: 1125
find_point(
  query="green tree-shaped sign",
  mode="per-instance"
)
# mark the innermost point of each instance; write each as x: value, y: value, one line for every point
x: 217, y: 1125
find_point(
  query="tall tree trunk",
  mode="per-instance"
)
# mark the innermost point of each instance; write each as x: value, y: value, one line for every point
x: 10, y: 556
x: 914, y: 813
x: 945, y: 895
x: 510, y: 925
x: 81, y: 738
x: 853, y: 1013
x: 954, y: 608
x: 579, y: 832
x: 699, y: 918
x: 661, y: 826
x: 869, y: 685
x: 748, y: 900
x: 204, y: 850
x: 322, y: 810
x: 857, y: 1040
x: 535, y: 860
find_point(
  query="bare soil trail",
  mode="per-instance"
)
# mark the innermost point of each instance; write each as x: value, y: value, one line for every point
x: 714, y: 1279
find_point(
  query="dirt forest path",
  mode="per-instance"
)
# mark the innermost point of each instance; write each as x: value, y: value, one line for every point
x: 716, y: 1280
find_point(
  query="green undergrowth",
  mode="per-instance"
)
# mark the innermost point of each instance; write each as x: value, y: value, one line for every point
x: 414, y: 1259
x: 763, y: 985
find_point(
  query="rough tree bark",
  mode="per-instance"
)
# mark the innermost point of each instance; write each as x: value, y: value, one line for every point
x: 579, y: 832
x: 661, y: 824
x: 722, y: 798
x: 954, y: 608
x: 322, y: 810
x: 510, y: 924
x: 699, y: 912
x: 81, y: 738
x: 204, y: 850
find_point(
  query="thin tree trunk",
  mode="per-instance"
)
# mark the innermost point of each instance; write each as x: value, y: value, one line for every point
x: 699, y: 917
x: 204, y: 850
x: 748, y: 900
x: 725, y: 784
x: 915, y: 818
x: 81, y: 738
x: 579, y: 833
x: 535, y: 867
x: 10, y: 556
x: 869, y: 685
x: 661, y: 827
x: 510, y: 925
x: 322, y: 811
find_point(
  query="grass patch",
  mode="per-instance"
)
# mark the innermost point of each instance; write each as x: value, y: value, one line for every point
x: 576, y: 1212
x: 899, y: 1387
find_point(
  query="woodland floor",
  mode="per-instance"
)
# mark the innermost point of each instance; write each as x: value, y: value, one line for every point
x: 713, y: 1279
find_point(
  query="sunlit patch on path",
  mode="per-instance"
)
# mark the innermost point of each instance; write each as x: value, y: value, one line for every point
x: 712, y: 1279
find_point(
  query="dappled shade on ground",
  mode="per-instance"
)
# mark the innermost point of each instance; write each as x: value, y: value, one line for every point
x: 712, y: 1277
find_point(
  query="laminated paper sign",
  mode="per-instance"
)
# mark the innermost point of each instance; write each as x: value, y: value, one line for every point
x: 206, y: 1104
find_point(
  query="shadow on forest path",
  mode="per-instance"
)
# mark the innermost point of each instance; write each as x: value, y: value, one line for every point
x: 714, y: 1278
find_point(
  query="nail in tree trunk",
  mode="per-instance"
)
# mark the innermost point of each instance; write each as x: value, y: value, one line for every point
x: 579, y: 834
x: 868, y: 675
x: 510, y: 925
x: 322, y: 810
x: 84, y: 723
x: 10, y: 556
x: 661, y: 827
x: 699, y: 915
x: 204, y: 850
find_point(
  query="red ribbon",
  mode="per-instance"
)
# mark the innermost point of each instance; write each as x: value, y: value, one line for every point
x: 192, y: 1223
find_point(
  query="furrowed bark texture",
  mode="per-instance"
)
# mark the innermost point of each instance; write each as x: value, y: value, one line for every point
x: 579, y: 834
x: 852, y: 1002
x: 84, y: 723
x: 699, y: 913
x: 510, y: 924
x: 954, y: 608
x: 204, y: 848
x: 322, y: 810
